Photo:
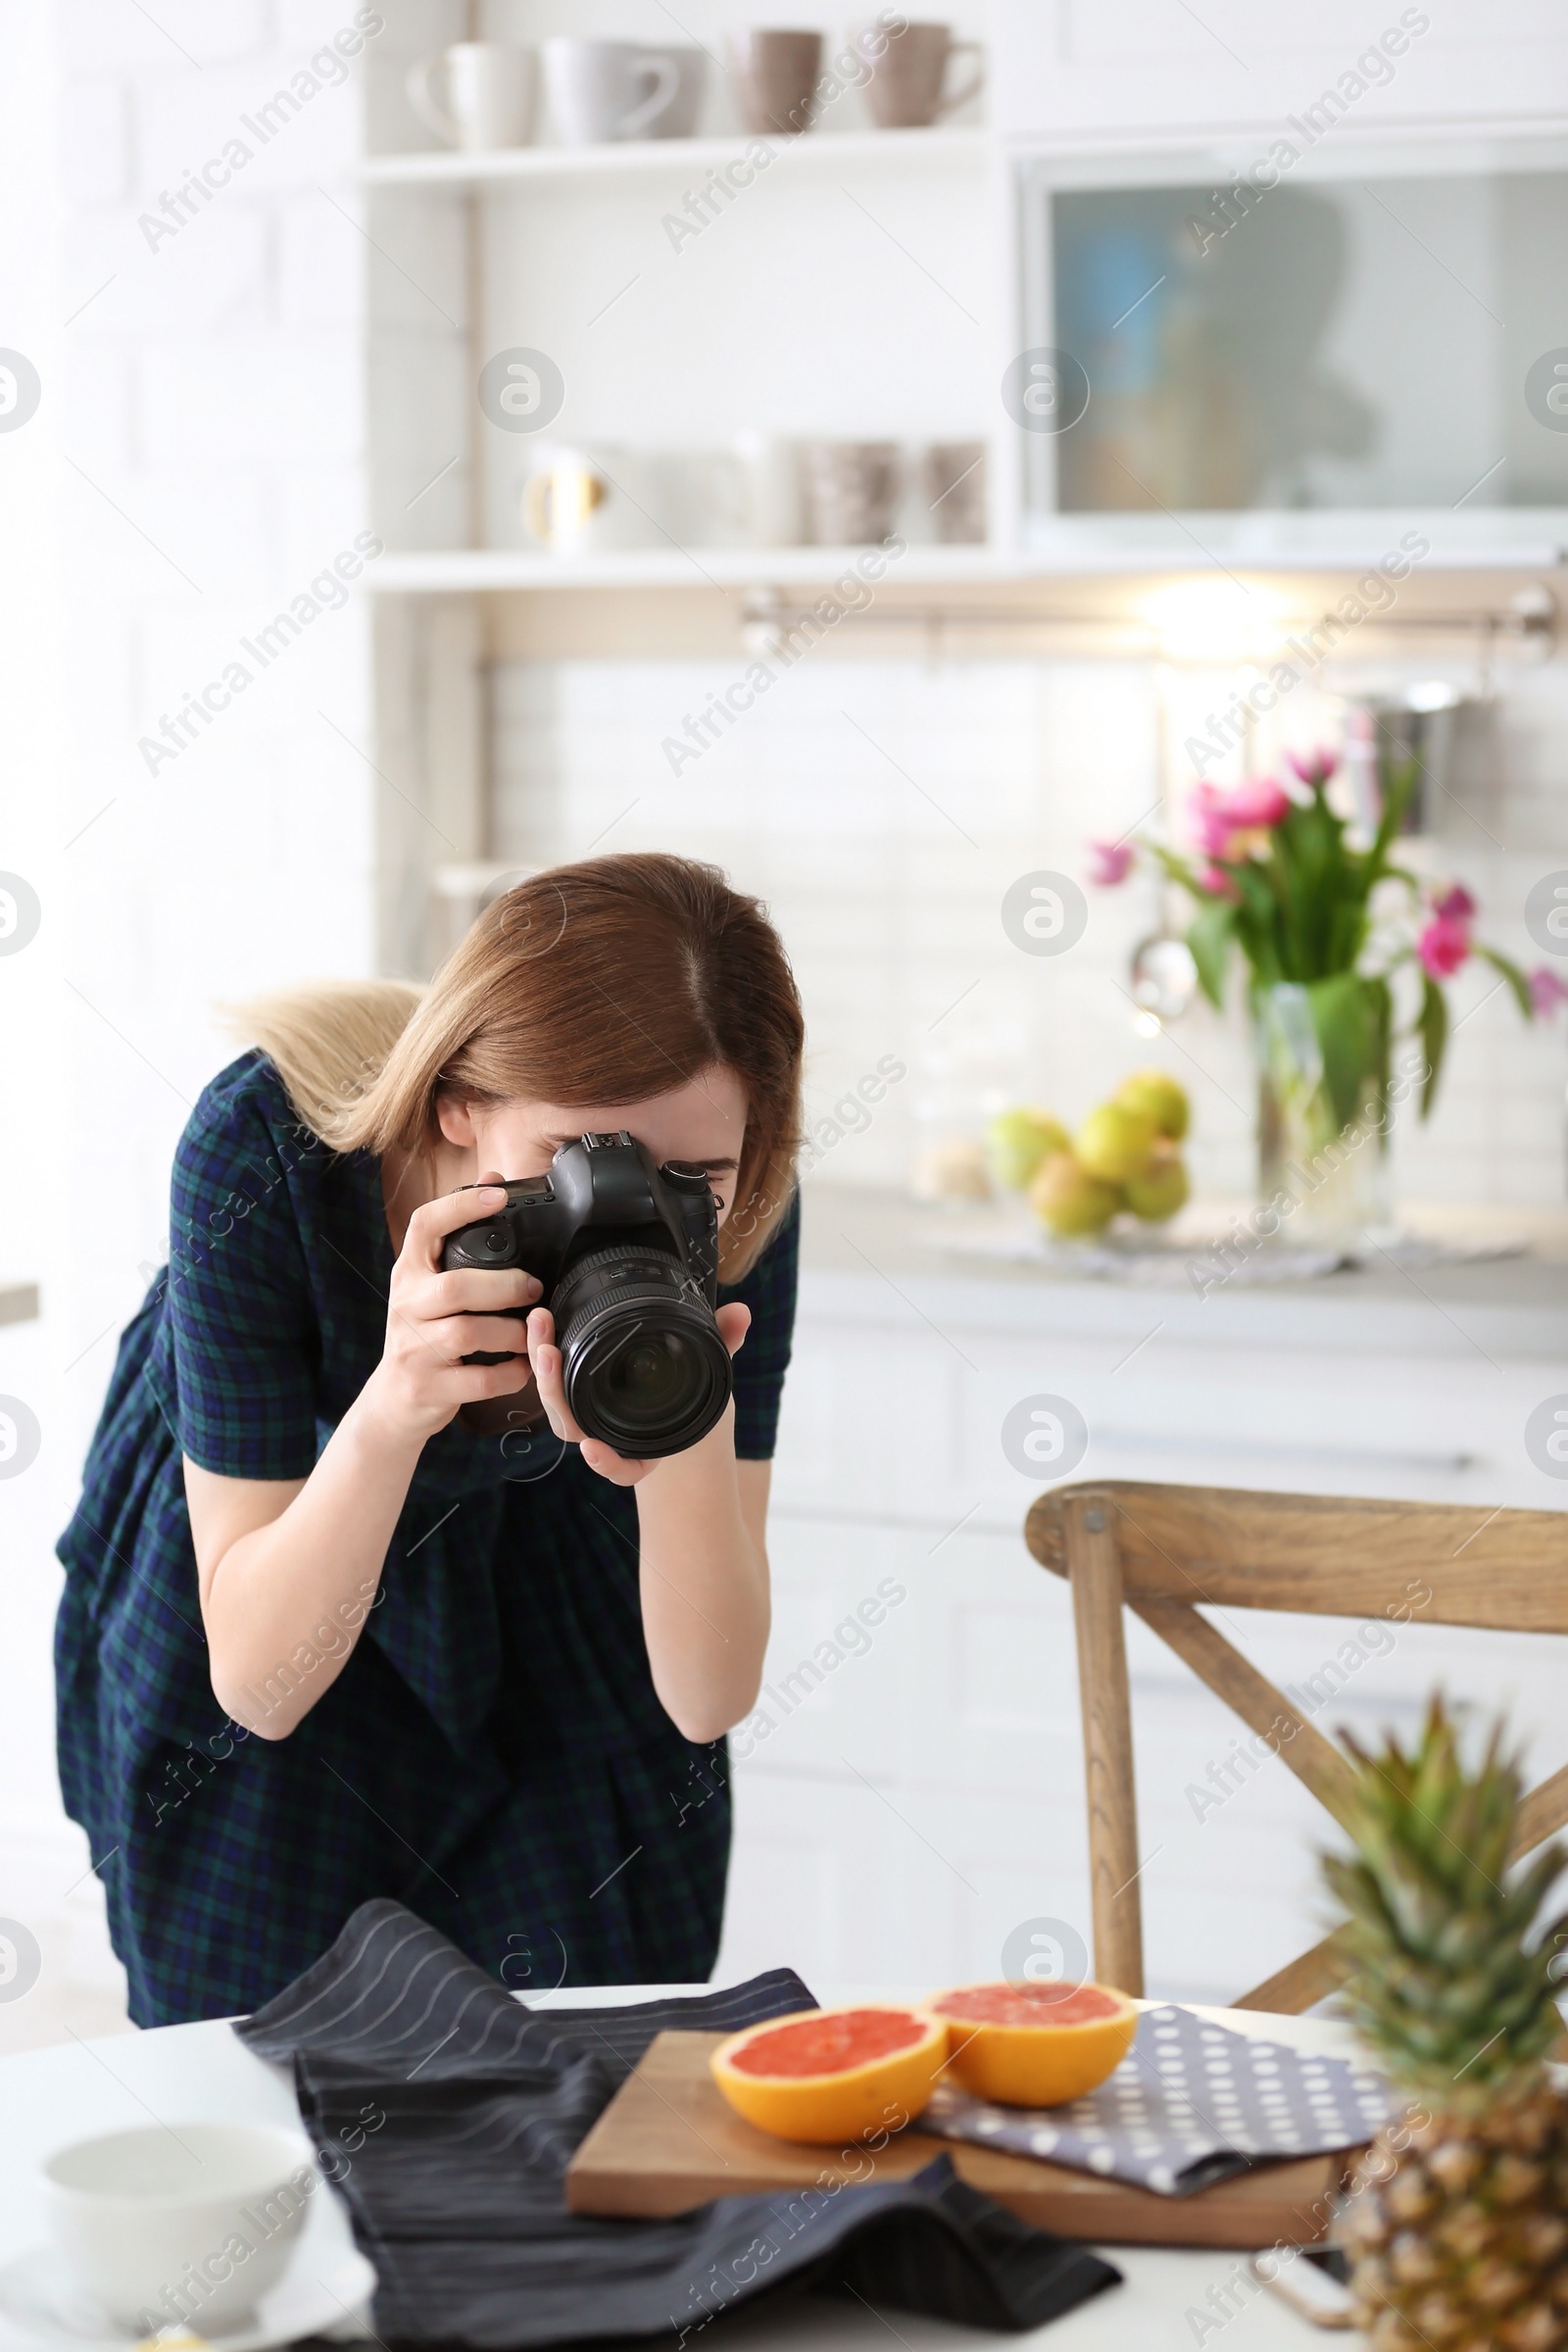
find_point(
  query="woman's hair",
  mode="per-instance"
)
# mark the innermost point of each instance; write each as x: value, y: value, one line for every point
x: 604, y: 982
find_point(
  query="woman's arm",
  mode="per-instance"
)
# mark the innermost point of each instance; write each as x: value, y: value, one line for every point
x: 705, y: 1587
x: 288, y: 1568
x: 703, y: 1525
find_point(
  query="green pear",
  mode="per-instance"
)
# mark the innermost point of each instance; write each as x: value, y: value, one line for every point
x: 1017, y: 1141
x: 1116, y: 1141
x: 1156, y: 1092
x: 1163, y: 1188
x: 1069, y: 1200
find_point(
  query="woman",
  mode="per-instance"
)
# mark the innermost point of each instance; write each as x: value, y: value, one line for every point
x: 324, y: 1638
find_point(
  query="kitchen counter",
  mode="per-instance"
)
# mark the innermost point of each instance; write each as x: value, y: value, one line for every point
x: 865, y: 1249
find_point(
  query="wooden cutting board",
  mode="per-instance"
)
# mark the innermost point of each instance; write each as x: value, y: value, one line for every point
x: 668, y: 2141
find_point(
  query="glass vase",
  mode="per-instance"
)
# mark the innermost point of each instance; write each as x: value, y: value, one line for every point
x: 1323, y: 1063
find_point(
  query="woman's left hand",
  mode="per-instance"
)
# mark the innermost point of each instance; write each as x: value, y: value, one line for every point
x: 734, y: 1322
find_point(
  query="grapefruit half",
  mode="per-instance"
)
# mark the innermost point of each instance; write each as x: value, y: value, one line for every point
x: 1035, y: 2046
x: 833, y: 2073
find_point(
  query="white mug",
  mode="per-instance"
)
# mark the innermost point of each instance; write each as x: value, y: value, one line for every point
x: 601, y: 90
x: 477, y: 94
x: 771, y: 468
x: 744, y: 495
x: 579, y: 503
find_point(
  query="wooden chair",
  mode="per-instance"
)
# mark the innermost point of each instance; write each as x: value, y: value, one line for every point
x: 1162, y: 1550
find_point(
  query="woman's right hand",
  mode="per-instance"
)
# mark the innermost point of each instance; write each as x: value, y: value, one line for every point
x: 435, y: 1319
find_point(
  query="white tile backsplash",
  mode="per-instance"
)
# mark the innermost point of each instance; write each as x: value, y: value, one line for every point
x: 882, y: 808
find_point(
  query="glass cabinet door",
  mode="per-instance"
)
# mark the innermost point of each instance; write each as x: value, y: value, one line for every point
x: 1343, y: 344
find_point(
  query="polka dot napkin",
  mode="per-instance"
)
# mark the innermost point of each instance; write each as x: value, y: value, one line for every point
x: 1191, y: 2104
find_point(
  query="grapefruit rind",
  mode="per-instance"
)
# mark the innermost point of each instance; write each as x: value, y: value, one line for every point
x: 855, y: 2103
x: 1036, y: 2066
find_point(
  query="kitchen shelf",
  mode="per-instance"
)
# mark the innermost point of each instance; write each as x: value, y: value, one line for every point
x: 819, y: 153
x: 465, y: 570
x: 469, y: 570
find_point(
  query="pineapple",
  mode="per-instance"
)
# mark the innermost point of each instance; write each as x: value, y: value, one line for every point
x: 1457, y: 2228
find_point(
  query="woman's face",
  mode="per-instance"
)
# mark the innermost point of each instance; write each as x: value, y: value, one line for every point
x: 703, y: 1121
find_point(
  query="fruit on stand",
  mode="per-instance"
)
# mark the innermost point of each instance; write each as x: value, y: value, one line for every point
x: 1115, y: 1142
x: 1035, y: 2046
x: 1162, y: 1188
x: 1017, y: 1141
x: 1125, y: 1156
x: 1157, y: 1094
x: 1457, y: 2226
x: 1069, y: 1200
x: 833, y: 2073
x: 951, y: 1170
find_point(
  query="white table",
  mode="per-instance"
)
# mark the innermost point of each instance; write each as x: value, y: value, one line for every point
x: 196, y: 2073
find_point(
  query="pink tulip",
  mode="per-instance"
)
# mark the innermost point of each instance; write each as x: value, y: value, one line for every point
x: 1263, y: 802
x: 1456, y: 905
x: 1219, y: 884
x: 1548, y: 991
x: 1214, y: 827
x: 1224, y: 814
x: 1443, y: 947
x: 1112, y: 861
x: 1316, y: 767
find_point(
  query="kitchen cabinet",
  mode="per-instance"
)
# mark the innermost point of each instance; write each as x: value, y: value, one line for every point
x: 1296, y: 344
x: 911, y: 1791
x: 1121, y: 68
x: 892, y: 284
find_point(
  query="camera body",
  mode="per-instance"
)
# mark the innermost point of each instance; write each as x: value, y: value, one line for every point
x: 626, y: 1255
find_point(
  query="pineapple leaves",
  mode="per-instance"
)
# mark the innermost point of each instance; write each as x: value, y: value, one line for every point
x: 1454, y: 1984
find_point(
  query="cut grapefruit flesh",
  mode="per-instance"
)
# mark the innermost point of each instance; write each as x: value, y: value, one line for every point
x: 1035, y: 2046
x: 833, y: 2073
x: 830, y: 2041
x: 1029, y: 2004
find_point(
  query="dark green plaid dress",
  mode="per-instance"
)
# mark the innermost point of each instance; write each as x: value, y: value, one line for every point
x: 493, y: 1755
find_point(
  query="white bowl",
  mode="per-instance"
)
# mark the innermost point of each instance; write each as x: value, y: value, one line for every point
x: 181, y: 2225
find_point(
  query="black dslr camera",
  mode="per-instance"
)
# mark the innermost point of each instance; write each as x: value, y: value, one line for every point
x: 628, y: 1257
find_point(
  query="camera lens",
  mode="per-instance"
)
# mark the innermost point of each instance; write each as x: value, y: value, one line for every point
x: 649, y: 1377
x: 645, y: 1367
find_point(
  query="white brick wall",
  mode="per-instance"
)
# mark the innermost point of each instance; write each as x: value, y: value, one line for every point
x: 212, y: 394
x: 817, y: 798
x: 216, y: 394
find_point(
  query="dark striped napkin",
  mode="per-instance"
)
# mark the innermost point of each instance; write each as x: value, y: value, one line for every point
x: 446, y: 2113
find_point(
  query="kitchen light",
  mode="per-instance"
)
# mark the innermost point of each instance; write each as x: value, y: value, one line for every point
x: 1212, y: 619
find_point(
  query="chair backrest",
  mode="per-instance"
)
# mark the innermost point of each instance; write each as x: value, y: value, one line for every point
x: 1163, y: 1551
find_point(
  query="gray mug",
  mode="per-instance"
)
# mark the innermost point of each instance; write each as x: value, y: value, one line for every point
x: 609, y: 90
x: 955, y: 491
x: 775, y: 75
x: 851, y: 491
x: 909, y: 69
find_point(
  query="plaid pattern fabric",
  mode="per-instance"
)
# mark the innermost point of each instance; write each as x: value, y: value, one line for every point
x: 493, y: 1754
